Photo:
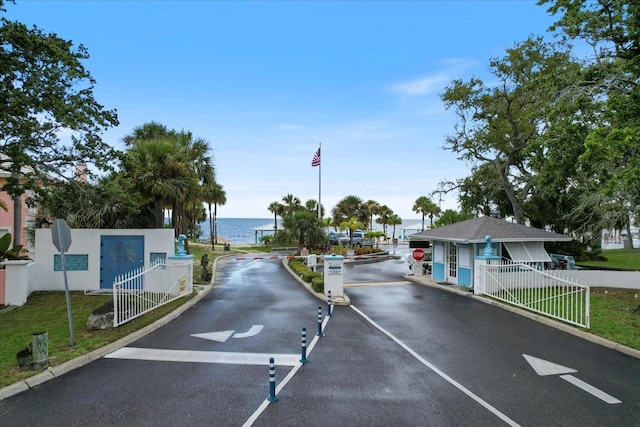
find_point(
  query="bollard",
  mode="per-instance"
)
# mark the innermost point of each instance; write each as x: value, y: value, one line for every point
x: 304, y: 359
x: 320, y: 334
x: 329, y: 304
x: 272, y: 381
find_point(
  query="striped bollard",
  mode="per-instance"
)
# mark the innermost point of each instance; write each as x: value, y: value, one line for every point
x: 272, y: 381
x: 320, y: 334
x: 304, y: 359
x: 329, y: 304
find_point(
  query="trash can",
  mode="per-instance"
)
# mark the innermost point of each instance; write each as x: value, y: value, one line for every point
x: 40, y: 349
x: 227, y: 247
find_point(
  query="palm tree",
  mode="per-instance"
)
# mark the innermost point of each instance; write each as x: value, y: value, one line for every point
x: 161, y: 170
x: 352, y: 225
x: 149, y: 131
x: 372, y: 207
x: 291, y: 204
x: 312, y: 205
x: 276, y: 209
x: 350, y: 206
x: 394, y: 220
x: 305, y: 228
x: 423, y: 205
x: 327, y: 222
x: 384, y: 212
x: 213, y: 193
x: 200, y: 166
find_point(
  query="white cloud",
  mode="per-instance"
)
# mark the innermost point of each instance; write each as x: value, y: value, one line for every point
x: 432, y: 84
x: 423, y: 86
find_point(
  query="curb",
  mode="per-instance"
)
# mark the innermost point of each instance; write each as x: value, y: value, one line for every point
x: 344, y: 300
x: 533, y: 316
x: 63, y: 368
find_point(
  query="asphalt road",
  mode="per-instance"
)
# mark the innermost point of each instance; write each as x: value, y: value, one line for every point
x: 401, y: 354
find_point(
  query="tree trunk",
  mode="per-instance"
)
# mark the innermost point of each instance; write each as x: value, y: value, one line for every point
x: 518, y: 211
x: 17, y: 221
x: 211, y: 230
x: 215, y: 222
x: 159, y: 212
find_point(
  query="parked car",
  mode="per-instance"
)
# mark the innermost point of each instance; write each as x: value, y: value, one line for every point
x: 358, y: 238
x: 338, y: 239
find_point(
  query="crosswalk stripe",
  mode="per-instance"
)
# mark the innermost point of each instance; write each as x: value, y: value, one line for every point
x: 231, y: 358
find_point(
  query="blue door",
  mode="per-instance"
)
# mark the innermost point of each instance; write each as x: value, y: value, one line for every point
x: 119, y: 255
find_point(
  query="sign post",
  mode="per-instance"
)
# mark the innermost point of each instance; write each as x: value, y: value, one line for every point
x: 61, y: 235
x: 418, y: 255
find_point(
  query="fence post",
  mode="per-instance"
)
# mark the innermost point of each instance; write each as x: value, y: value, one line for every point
x: 272, y: 381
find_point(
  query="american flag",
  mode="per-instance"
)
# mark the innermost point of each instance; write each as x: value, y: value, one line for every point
x: 316, y: 159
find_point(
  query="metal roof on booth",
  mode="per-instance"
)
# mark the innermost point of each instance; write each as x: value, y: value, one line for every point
x: 476, y: 229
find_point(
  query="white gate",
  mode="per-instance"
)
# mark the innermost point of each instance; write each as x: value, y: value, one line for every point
x: 534, y: 290
x: 140, y: 290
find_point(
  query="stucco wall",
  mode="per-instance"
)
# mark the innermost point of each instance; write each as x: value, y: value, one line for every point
x: 602, y: 278
x: 87, y: 242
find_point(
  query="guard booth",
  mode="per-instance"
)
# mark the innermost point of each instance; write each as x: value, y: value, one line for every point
x: 334, y: 275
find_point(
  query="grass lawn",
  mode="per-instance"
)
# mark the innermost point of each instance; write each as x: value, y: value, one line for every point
x: 612, y: 317
x: 624, y: 259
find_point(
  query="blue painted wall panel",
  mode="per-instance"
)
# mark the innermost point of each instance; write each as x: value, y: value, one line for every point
x: 438, y: 271
x: 464, y: 277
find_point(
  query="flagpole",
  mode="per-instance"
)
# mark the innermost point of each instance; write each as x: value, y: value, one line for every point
x: 320, y: 184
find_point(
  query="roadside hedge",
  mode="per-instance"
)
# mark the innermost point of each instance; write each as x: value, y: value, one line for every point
x: 301, y: 270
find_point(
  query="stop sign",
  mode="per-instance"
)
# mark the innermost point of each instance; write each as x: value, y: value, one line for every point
x: 418, y: 254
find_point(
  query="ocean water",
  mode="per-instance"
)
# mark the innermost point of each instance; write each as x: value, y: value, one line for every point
x: 240, y: 230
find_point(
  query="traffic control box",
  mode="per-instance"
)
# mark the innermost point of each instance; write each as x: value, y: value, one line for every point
x: 334, y: 275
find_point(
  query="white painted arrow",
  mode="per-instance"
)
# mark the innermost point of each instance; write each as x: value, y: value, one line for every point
x: 544, y: 367
x: 255, y: 330
x: 222, y: 336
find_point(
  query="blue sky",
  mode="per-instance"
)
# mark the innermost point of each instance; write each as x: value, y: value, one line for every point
x: 266, y: 82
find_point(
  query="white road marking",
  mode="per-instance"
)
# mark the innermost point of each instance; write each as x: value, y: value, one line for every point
x: 220, y: 336
x: 163, y: 355
x: 446, y: 377
x: 255, y: 330
x: 591, y: 389
x: 544, y: 367
x: 348, y: 285
x: 252, y: 419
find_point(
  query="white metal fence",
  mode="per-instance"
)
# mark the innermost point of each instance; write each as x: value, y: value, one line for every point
x: 140, y: 290
x: 538, y: 291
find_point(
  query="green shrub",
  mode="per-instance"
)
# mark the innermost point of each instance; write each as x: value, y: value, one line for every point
x: 301, y: 270
x: 317, y: 284
x: 308, y: 275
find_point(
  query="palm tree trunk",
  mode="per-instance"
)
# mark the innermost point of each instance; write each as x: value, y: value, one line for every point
x: 17, y: 221
x: 215, y: 222
x: 211, y: 230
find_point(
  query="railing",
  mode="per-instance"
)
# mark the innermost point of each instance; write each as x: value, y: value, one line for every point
x: 140, y: 291
x: 535, y: 290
